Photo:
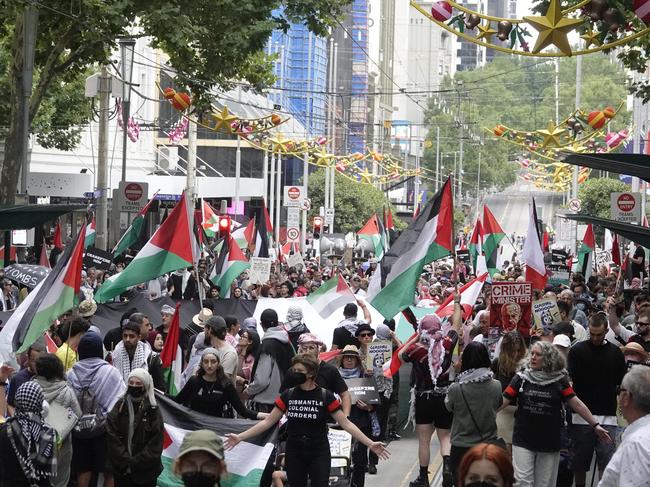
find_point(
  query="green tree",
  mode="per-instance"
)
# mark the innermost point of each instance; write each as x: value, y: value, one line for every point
x: 520, y: 94
x: 210, y: 43
x: 354, y: 202
x: 635, y: 56
x: 594, y: 194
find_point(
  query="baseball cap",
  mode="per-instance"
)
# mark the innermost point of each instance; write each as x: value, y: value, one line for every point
x: 202, y: 440
x: 562, y: 341
x: 215, y: 323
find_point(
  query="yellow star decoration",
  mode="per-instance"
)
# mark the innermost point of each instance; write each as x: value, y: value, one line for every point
x: 551, y: 135
x: 485, y: 32
x: 553, y: 28
x: 323, y: 158
x: 279, y: 144
x: 223, y: 119
x: 590, y: 37
x: 366, y: 176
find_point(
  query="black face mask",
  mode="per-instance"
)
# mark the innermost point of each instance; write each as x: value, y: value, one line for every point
x: 294, y: 379
x: 199, y: 479
x: 482, y: 483
x: 135, y: 392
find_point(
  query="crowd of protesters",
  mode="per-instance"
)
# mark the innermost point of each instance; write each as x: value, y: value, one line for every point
x: 509, y: 405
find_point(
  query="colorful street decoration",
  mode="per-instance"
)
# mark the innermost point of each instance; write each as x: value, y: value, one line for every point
x: 600, y: 26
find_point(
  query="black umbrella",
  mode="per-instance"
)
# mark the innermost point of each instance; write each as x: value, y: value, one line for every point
x: 26, y: 274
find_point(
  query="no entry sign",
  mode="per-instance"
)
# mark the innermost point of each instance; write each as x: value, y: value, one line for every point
x: 626, y: 207
x: 132, y: 196
x: 294, y: 196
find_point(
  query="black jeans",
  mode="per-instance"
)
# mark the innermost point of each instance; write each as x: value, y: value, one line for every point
x: 382, y: 416
x: 304, y: 462
x: 455, y: 457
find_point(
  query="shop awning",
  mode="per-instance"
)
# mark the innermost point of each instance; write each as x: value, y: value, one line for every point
x: 23, y: 217
x: 636, y: 233
x: 637, y: 165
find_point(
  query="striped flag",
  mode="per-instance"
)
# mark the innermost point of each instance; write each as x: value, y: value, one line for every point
x: 53, y: 296
x: 90, y: 234
x: 392, y: 366
x: 172, y: 356
x: 333, y: 294
x: 246, y: 461
x: 230, y: 264
x: 532, y: 255
x: 172, y: 247
x: 134, y: 233
x: 469, y: 293
x: 586, y: 252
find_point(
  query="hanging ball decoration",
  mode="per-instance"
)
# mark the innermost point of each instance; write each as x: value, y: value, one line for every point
x: 503, y: 30
x: 499, y: 130
x: 472, y: 21
x: 181, y: 101
x: 577, y: 127
x: 441, y: 11
x: 276, y: 119
x: 613, y: 139
x: 596, y: 119
x: 571, y: 122
x: 609, y: 112
x: 642, y: 10
x: 321, y: 141
x: 169, y: 93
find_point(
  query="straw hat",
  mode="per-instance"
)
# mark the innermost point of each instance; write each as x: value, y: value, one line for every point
x: 201, y: 316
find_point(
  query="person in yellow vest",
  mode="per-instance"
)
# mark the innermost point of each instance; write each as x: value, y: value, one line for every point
x: 72, y: 331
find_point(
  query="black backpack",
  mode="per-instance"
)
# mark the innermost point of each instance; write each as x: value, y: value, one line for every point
x: 93, y: 420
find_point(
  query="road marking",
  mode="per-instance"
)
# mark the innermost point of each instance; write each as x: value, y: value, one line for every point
x: 434, y: 468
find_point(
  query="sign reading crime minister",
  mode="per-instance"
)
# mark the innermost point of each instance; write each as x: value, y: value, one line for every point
x: 510, y: 307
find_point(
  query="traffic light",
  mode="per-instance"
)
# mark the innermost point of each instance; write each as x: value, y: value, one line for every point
x: 317, y: 226
x: 224, y: 226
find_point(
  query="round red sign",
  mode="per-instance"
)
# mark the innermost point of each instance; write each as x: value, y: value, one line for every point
x: 293, y: 193
x: 133, y: 191
x: 626, y: 202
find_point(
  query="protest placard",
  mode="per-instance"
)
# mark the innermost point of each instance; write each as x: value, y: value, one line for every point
x: 379, y: 352
x: 260, y: 270
x: 510, y: 306
x: 545, y: 314
x: 364, y: 389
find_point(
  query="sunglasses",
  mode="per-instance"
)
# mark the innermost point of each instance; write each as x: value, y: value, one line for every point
x: 642, y: 323
x: 364, y: 335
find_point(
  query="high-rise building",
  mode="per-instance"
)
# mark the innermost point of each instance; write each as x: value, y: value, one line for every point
x: 301, y: 71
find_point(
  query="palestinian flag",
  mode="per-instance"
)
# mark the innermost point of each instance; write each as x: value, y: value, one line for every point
x: 246, y: 461
x: 49, y: 343
x: 172, y: 356
x: 291, y: 247
x: 52, y: 297
x: 44, y: 260
x: 332, y: 295
x: 209, y: 220
x: 476, y: 243
x: 229, y: 265
x: 428, y: 238
x: 389, y: 226
x: 492, y: 236
x: 90, y: 234
x: 58, y: 239
x: 134, y: 233
x: 469, y: 293
x: 532, y: 254
x: 244, y: 235
x: 263, y: 233
x: 373, y: 234
x: 392, y: 366
x: 586, y: 252
x: 12, y: 255
x: 172, y: 247
x: 616, y: 253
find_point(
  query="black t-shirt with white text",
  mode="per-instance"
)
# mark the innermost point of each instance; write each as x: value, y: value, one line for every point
x: 307, y: 414
x: 539, y: 415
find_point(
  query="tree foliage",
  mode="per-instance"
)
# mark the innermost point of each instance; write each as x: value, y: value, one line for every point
x: 354, y: 202
x: 518, y: 93
x: 210, y: 43
x: 594, y: 194
x: 636, y: 54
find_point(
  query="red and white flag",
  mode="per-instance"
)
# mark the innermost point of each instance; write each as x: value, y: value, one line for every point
x: 469, y: 293
x: 533, y: 255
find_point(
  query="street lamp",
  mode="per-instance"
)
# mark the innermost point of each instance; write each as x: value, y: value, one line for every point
x: 126, y: 50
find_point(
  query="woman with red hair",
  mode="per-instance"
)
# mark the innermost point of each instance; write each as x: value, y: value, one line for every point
x: 486, y: 465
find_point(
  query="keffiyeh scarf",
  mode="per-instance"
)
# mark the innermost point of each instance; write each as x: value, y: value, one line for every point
x: 121, y: 359
x: 472, y: 376
x: 31, y: 438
